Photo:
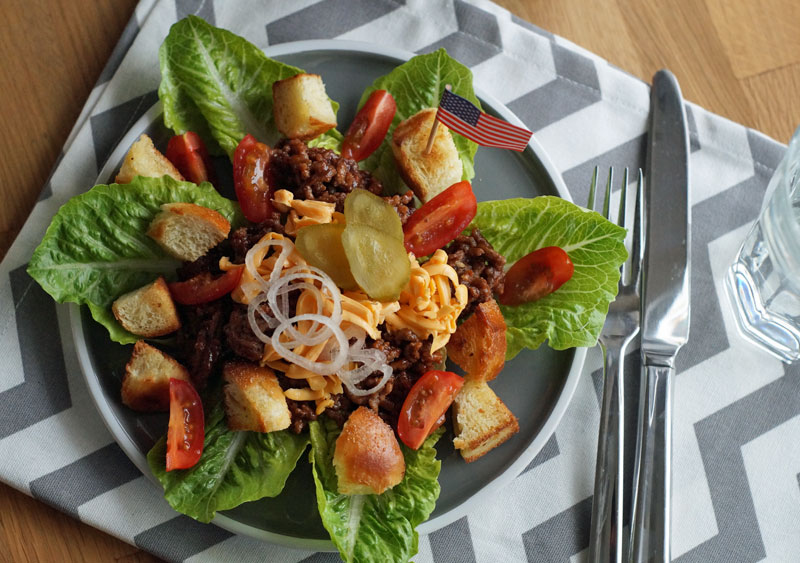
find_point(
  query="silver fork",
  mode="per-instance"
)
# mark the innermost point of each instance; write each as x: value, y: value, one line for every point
x: 622, y: 324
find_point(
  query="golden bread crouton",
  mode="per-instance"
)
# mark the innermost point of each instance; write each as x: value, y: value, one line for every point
x: 144, y: 159
x: 426, y: 174
x: 478, y: 346
x: 481, y: 420
x: 187, y: 230
x: 148, y: 311
x: 367, y: 458
x: 145, y: 386
x: 301, y: 107
x: 254, y: 399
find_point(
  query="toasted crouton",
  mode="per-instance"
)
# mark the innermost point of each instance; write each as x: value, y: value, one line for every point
x: 148, y: 311
x: 482, y: 421
x: 367, y: 457
x: 478, y: 346
x: 144, y: 159
x: 253, y: 399
x: 426, y: 174
x: 301, y: 107
x: 187, y: 230
x: 145, y: 386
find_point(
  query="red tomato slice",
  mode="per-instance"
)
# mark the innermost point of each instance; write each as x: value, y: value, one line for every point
x: 250, y: 169
x: 189, y: 155
x: 369, y: 126
x: 535, y: 275
x: 440, y: 220
x: 424, y: 407
x: 186, y: 431
x: 203, y: 288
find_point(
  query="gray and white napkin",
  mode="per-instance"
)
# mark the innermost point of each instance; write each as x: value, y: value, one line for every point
x: 737, y: 411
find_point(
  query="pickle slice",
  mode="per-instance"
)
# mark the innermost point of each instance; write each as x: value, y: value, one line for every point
x: 321, y: 246
x: 378, y: 261
x: 362, y: 206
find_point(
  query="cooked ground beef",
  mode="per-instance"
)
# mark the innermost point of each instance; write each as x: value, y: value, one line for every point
x: 200, y: 339
x: 323, y: 175
x: 479, y: 267
x: 302, y: 412
x: 410, y: 358
x: 241, y: 338
x: 317, y: 173
x: 208, y: 263
x: 244, y: 238
x: 403, y: 204
x: 340, y: 410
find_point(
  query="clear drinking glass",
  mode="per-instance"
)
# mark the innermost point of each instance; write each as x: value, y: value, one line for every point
x: 764, y: 281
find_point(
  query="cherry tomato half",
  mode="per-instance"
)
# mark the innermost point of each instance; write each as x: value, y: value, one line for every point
x: 189, y: 155
x: 535, y: 275
x: 186, y: 430
x: 424, y: 407
x: 250, y: 178
x: 203, y: 288
x: 369, y: 126
x: 440, y: 220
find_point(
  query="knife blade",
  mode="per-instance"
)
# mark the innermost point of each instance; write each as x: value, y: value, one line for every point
x: 665, y: 314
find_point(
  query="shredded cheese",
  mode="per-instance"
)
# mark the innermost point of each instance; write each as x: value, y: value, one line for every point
x: 302, y: 212
x: 428, y: 305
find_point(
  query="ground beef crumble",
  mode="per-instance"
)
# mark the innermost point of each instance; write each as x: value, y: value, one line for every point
x: 199, y: 339
x: 317, y: 173
x: 322, y: 175
x: 479, y: 267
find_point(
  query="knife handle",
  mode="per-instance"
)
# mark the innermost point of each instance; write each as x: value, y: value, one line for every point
x: 605, y: 533
x: 650, y: 525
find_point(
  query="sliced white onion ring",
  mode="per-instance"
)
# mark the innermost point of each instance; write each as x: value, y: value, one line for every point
x: 320, y: 368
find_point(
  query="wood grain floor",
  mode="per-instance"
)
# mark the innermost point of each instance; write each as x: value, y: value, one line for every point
x: 739, y: 58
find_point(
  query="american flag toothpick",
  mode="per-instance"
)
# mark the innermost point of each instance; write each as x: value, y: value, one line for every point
x: 462, y: 116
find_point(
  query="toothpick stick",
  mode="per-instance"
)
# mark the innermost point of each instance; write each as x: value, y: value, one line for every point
x: 432, y: 135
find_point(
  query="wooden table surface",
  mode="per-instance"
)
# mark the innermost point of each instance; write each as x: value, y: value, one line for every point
x: 738, y: 59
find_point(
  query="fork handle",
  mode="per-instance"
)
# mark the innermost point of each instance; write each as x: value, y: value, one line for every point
x: 650, y: 526
x: 605, y: 533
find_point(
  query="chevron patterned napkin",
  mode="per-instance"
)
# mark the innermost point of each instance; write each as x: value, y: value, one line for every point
x: 736, y: 454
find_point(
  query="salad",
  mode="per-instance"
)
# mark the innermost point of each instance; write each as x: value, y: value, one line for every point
x: 317, y: 318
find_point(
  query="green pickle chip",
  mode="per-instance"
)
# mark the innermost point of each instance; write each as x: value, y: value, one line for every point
x: 378, y: 261
x: 362, y: 206
x: 321, y: 246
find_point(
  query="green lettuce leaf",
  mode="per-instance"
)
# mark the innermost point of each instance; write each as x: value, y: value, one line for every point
x: 235, y: 467
x: 374, y: 527
x: 96, y: 248
x: 219, y: 85
x: 416, y: 85
x: 573, y: 315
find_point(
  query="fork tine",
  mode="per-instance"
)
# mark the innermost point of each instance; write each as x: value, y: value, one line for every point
x: 592, y: 190
x: 607, y: 199
x: 637, y: 246
x: 623, y: 199
x: 622, y: 219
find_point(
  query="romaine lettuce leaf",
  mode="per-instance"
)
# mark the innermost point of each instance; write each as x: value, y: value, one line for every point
x: 415, y: 85
x: 219, y: 85
x: 235, y: 467
x: 96, y: 248
x: 374, y: 527
x: 573, y: 315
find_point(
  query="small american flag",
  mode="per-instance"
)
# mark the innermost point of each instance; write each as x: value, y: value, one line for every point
x: 462, y: 116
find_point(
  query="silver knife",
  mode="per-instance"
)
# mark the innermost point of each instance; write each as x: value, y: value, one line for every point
x: 665, y: 315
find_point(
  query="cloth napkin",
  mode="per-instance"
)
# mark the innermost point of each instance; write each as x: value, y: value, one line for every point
x: 736, y: 464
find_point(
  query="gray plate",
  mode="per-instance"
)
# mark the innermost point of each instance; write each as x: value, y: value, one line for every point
x: 536, y: 385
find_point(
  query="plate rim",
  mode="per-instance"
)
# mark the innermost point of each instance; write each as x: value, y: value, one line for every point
x: 225, y: 522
